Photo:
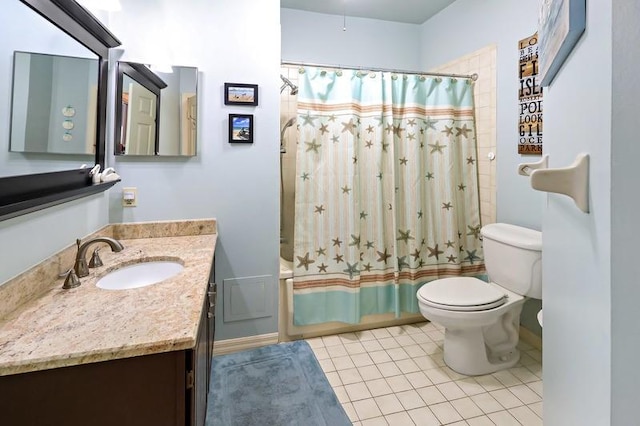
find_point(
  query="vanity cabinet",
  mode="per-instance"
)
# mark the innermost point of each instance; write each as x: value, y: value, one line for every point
x: 158, y: 389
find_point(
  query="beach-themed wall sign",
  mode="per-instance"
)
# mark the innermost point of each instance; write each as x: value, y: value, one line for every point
x: 529, y: 98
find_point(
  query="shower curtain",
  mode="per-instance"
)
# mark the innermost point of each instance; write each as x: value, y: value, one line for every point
x: 386, y: 191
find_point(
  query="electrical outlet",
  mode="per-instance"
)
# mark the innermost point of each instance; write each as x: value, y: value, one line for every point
x: 129, y: 197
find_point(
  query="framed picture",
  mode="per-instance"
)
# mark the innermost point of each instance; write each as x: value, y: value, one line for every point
x: 561, y: 24
x: 240, y: 128
x: 240, y: 94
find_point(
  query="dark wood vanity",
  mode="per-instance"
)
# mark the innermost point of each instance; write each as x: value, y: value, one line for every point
x: 160, y: 389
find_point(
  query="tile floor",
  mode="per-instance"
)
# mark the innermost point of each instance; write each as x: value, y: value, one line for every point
x: 397, y: 376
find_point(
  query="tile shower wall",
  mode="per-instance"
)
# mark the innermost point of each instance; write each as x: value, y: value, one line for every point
x: 288, y: 109
x: 483, y: 63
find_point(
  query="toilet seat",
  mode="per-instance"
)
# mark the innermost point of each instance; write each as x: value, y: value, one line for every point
x: 461, y: 294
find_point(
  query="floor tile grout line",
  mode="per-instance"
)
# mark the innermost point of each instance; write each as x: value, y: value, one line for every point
x: 341, y: 340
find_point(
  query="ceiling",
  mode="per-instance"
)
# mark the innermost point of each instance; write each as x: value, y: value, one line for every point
x: 406, y: 11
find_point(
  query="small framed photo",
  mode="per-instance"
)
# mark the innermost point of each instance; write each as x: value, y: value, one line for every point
x: 240, y: 94
x: 240, y: 128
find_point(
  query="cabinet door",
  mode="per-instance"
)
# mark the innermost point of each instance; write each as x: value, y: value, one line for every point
x: 140, y: 391
x: 200, y: 372
x: 211, y: 317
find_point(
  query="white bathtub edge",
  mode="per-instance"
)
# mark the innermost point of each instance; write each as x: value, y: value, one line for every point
x: 286, y: 269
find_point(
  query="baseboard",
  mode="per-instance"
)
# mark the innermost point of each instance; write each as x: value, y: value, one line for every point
x: 223, y: 347
x: 530, y: 338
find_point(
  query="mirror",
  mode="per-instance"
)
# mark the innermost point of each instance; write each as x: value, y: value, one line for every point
x: 54, y: 104
x: 42, y: 37
x: 137, y: 110
x: 156, y: 111
x: 31, y: 181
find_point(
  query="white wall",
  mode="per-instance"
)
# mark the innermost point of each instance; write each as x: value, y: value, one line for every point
x: 464, y: 27
x: 236, y: 42
x: 319, y: 38
x: 27, y: 240
x: 625, y: 204
x: 577, y: 246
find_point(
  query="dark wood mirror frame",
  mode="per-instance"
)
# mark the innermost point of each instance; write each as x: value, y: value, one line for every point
x: 27, y: 193
x: 151, y: 82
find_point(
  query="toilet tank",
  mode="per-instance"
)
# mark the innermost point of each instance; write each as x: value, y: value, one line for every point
x: 513, y: 258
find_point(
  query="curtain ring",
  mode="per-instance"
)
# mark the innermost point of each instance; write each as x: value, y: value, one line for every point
x: 422, y: 78
x: 339, y: 73
x: 394, y: 76
x: 301, y: 70
x: 323, y: 73
x: 438, y: 80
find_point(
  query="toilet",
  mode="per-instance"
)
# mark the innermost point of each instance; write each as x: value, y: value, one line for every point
x: 482, y: 319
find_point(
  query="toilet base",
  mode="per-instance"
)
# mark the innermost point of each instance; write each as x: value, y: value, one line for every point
x: 465, y: 352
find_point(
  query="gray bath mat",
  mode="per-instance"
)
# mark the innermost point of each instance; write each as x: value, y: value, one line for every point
x: 274, y: 385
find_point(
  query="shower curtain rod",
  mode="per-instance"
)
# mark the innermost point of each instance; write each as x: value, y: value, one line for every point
x: 473, y: 76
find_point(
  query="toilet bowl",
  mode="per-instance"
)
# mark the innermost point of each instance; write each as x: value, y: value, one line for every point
x: 482, y: 319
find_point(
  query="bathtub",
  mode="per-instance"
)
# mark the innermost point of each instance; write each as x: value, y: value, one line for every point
x: 287, y: 331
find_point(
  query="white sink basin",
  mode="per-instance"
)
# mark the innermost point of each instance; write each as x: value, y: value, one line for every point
x: 139, y: 275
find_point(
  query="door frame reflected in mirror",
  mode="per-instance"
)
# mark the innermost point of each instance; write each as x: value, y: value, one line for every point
x: 141, y: 74
x: 176, y: 110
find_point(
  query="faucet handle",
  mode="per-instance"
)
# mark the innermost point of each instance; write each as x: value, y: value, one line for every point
x: 95, y: 259
x: 72, y: 280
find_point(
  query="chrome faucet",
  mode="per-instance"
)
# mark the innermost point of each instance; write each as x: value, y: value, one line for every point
x: 80, y: 267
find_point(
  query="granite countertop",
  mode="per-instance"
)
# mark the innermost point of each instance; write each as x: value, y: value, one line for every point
x: 58, y: 328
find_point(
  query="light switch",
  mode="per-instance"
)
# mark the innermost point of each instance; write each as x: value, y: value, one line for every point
x: 129, y: 197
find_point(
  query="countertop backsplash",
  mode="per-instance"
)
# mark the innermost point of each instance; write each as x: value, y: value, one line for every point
x: 40, y: 278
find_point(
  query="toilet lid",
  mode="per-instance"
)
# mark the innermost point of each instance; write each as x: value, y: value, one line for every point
x: 461, y: 294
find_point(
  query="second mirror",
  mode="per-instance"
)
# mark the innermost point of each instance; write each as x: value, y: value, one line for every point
x: 156, y: 111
